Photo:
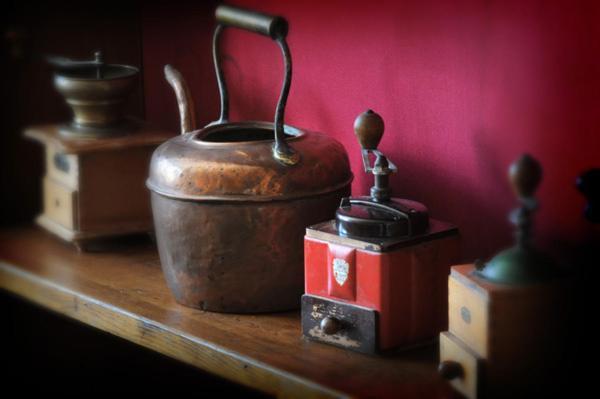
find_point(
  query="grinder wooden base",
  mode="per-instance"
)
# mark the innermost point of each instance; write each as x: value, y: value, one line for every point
x: 94, y: 187
x: 502, y: 339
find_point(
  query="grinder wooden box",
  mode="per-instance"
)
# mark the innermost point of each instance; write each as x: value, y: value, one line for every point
x: 398, y: 286
x: 95, y: 187
x: 503, y: 336
x: 507, y: 317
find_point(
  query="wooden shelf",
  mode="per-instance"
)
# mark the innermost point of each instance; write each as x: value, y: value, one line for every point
x: 123, y: 292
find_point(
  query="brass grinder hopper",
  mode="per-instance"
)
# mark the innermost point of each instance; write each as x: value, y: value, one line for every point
x: 96, y: 92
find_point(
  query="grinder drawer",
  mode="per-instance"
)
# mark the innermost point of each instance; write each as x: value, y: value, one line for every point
x: 460, y: 365
x: 60, y: 203
x: 468, y: 314
x: 340, y: 324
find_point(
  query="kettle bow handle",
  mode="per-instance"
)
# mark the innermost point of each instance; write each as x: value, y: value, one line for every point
x: 276, y: 28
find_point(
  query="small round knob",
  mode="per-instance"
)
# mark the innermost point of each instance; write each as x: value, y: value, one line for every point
x: 369, y: 127
x: 330, y: 325
x: 99, y: 57
x: 525, y: 175
x: 450, y: 370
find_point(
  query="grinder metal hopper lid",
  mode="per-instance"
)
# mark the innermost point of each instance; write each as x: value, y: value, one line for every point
x: 96, y: 69
x: 362, y: 217
x: 380, y: 215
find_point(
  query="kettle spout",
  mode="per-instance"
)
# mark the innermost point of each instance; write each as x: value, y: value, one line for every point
x: 184, y: 99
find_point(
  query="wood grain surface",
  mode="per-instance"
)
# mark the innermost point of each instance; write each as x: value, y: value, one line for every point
x: 141, y: 135
x: 123, y: 292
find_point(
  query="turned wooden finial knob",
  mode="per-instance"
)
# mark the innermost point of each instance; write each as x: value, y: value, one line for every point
x: 525, y: 175
x: 369, y: 127
x: 522, y: 263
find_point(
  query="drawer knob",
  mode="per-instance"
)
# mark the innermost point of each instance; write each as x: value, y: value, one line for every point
x: 450, y: 370
x: 330, y: 325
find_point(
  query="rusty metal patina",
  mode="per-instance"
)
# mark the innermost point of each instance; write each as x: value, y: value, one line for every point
x: 231, y: 201
x: 192, y: 168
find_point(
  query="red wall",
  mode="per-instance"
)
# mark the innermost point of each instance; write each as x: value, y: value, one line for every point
x: 464, y: 87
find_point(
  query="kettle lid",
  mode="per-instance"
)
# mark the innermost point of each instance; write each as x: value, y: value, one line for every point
x: 234, y: 162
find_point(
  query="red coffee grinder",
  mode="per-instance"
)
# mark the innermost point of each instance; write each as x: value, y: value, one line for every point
x: 376, y: 276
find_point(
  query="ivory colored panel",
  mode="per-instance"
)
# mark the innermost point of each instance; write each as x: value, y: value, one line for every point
x: 468, y: 314
x: 60, y: 203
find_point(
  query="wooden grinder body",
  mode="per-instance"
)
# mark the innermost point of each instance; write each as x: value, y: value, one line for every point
x: 94, y: 188
x: 506, y: 338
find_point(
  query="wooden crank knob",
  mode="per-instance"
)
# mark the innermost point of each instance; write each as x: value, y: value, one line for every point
x: 450, y: 370
x: 525, y: 175
x: 369, y: 127
x: 330, y: 325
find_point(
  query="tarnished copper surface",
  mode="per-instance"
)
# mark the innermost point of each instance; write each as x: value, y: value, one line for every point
x: 231, y: 202
x: 230, y: 219
x: 184, y: 99
x: 187, y: 167
x: 237, y: 257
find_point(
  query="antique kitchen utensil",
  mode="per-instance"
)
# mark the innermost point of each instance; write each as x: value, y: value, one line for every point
x: 507, y: 316
x: 376, y: 275
x: 522, y: 263
x: 96, y: 165
x: 96, y: 92
x: 231, y: 201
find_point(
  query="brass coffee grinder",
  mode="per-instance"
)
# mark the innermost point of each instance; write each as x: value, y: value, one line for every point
x: 506, y: 316
x: 97, y: 163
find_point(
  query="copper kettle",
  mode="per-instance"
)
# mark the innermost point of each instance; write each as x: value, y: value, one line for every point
x: 231, y: 201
